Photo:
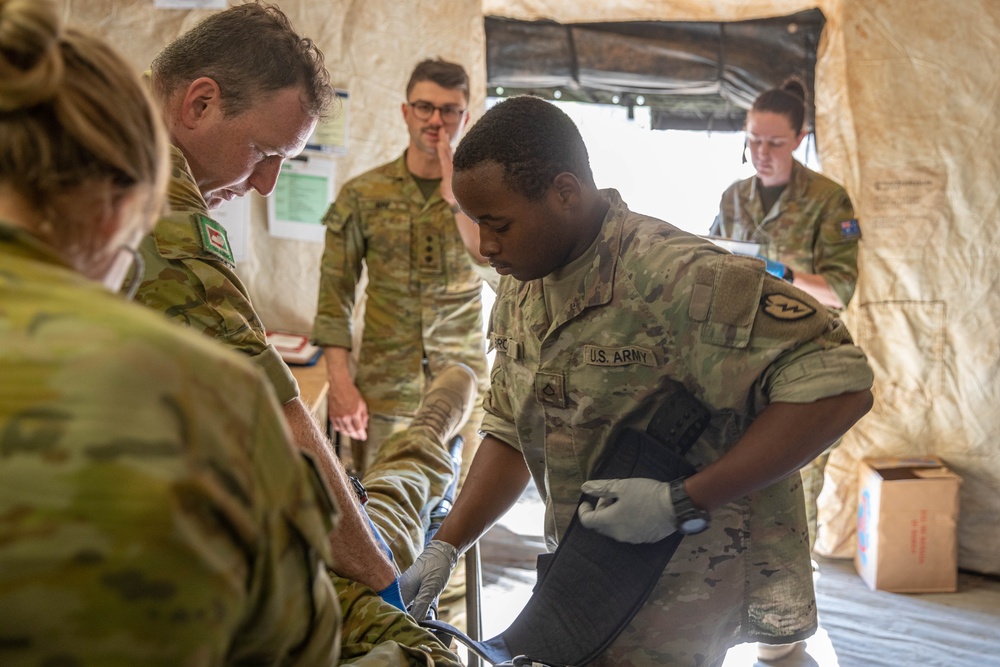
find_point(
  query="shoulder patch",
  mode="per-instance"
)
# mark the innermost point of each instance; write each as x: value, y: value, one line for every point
x: 787, y: 308
x: 850, y: 230
x: 214, y: 239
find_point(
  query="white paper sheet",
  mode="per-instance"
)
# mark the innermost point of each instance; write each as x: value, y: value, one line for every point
x: 234, y: 215
x: 301, y: 196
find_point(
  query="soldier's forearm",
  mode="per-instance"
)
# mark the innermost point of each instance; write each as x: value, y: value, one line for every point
x: 816, y: 286
x: 356, y: 553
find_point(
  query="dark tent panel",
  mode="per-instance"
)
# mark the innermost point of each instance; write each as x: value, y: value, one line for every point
x: 694, y: 75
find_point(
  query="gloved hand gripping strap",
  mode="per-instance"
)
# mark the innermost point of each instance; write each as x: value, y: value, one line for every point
x: 593, y: 585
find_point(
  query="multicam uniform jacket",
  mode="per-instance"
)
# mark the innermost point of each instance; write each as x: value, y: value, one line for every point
x: 811, y: 228
x: 152, y: 510
x: 424, y: 300
x: 190, y: 277
x: 661, y: 306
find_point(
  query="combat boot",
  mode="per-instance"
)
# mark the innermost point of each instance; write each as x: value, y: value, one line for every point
x: 447, y: 403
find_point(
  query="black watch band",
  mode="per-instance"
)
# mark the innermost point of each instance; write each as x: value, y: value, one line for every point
x: 690, y: 519
x: 359, y: 489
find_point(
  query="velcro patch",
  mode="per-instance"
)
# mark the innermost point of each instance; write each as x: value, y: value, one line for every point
x: 618, y: 356
x: 850, y: 230
x: 784, y: 307
x: 382, y: 205
x: 508, y: 346
x: 215, y: 240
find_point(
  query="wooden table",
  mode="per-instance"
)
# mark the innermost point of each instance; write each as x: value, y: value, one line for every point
x: 313, y: 388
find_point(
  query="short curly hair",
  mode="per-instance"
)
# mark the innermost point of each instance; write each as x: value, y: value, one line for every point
x: 249, y: 50
x: 448, y: 75
x: 533, y: 140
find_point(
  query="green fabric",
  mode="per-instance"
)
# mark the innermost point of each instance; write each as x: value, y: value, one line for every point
x: 423, y: 301
x: 769, y: 194
x: 427, y: 185
x: 152, y: 510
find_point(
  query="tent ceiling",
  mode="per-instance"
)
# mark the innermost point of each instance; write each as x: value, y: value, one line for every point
x: 695, y: 75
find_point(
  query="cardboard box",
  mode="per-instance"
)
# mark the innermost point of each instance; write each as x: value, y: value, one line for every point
x: 907, y: 525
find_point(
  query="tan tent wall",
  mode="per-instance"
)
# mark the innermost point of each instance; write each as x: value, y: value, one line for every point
x: 907, y: 114
x: 908, y: 118
x: 370, y: 49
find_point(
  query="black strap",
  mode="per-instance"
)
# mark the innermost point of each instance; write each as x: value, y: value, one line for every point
x: 580, y: 605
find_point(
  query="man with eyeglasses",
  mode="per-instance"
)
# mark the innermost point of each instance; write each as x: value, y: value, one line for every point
x: 423, y: 308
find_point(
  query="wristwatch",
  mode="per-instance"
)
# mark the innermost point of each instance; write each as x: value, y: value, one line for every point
x: 690, y: 519
x: 359, y: 489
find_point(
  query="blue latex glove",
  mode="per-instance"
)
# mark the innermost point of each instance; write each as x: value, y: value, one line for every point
x: 776, y: 269
x: 634, y: 510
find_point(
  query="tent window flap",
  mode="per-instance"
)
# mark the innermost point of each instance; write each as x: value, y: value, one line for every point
x: 694, y: 75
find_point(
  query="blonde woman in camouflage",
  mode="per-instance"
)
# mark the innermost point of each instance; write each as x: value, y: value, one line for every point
x: 146, y: 517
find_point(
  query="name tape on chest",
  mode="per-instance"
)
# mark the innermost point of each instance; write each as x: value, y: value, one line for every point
x: 618, y: 356
x: 504, y: 345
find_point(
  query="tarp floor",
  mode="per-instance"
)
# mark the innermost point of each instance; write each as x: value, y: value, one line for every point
x: 858, y: 627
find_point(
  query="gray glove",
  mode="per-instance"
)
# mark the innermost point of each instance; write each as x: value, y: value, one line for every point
x: 636, y: 510
x: 423, y: 581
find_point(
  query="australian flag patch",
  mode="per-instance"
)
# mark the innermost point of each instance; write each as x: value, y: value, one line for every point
x: 850, y: 230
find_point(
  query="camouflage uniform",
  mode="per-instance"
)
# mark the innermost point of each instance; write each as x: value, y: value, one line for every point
x: 152, y: 510
x: 423, y: 299
x: 808, y: 229
x: 811, y: 228
x: 662, y: 306
x: 189, y: 276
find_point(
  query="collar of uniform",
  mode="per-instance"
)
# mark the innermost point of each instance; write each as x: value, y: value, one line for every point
x: 410, y: 187
x: 182, y: 192
x: 399, y: 169
x: 798, y: 182
x: 597, y: 284
x: 25, y: 244
x: 182, y: 232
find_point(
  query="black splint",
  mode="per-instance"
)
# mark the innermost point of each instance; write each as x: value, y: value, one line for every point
x: 580, y: 605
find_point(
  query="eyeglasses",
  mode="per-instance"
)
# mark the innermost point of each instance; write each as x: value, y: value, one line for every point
x: 424, y: 110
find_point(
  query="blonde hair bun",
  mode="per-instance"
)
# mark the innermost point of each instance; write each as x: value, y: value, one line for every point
x: 31, y: 60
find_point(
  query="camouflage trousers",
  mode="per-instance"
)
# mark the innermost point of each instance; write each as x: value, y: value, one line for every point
x: 382, y: 427
x: 377, y: 634
x: 813, y: 475
x: 747, y: 578
x: 394, y: 500
x: 406, y: 478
